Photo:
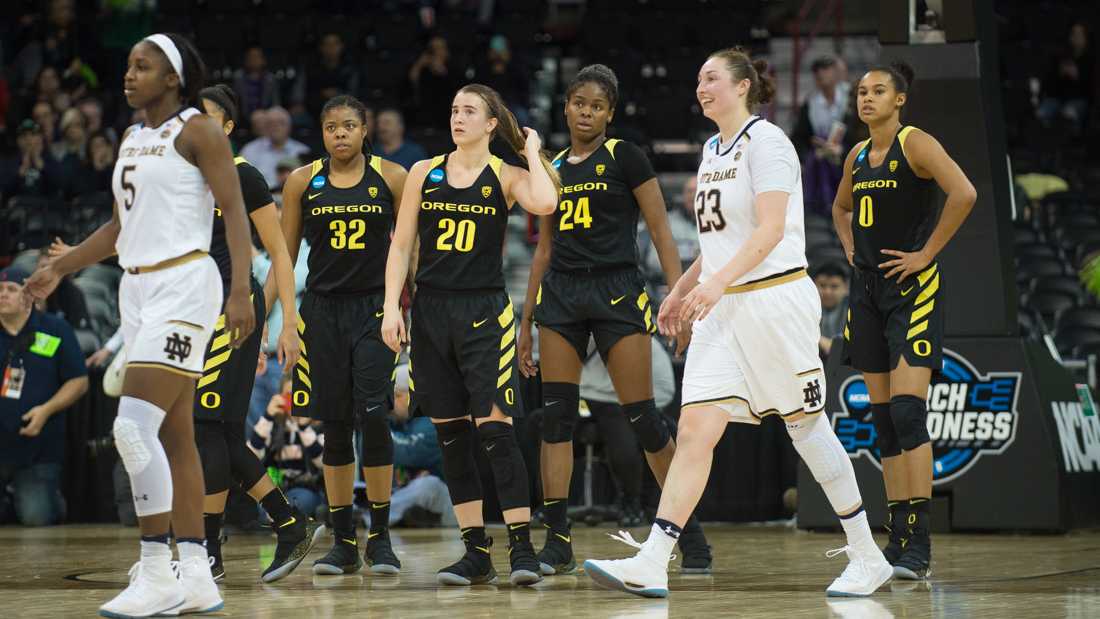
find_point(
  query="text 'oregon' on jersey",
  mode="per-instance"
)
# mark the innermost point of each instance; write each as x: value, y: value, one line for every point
x: 462, y: 230
x: 595, y: 226
x: 348, y: 230
x: 893, y: 208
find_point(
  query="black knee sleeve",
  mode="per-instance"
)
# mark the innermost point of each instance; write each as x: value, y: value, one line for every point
x: 886, y: 437
x: 339, y: 443
x: 498, y: 439
x: 560, y: 411
x: 649, y: 425
x: 456, y: 441
x: 244, y: 467
x: 377, y: 444
x: 210, y: 441
x: 910, y: 416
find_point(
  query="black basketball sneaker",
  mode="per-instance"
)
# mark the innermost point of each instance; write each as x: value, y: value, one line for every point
x: 474, y: 568
x: 379, y: 556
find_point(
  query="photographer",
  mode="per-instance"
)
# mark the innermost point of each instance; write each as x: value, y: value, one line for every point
x: 43, y: 374
x: 290, y: 447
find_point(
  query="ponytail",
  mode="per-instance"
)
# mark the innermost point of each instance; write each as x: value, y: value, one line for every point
x: 508, y: 128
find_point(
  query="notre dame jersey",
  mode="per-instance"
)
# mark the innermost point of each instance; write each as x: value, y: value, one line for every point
x: 348, y: 230
x: 595, y: 226
x: 462, y: 230
x: 893, y: 207
x: 256, y: 196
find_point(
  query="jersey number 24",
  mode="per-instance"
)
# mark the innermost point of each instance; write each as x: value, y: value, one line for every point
x: 708, y: 211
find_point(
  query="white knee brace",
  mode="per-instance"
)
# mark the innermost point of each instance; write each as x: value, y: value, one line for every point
x: 135, y: 431
x: 814, y: 440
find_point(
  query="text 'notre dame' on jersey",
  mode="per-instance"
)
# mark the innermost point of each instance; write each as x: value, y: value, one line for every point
x: 596, y: 223
x: 348, y: 230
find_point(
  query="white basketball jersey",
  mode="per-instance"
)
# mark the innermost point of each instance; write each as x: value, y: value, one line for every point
x: 164, y: 203
x: 760, y: 158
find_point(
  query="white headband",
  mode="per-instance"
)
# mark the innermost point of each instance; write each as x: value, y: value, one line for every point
x: 170, y: 50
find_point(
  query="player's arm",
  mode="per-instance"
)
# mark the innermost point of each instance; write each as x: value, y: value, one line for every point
x: 266, y: 220
x: 652, y: 204
x: 397, y: 263
x: 842, y: 205
x: 539, y: 264
x: 534, y: 188
x: 396, y: 176
x: 928, y: 158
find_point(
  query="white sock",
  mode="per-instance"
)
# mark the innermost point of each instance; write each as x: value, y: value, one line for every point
x: 155, y: 551
x: 191, y: 550
x: 858, y: 531
x: 660, y: 543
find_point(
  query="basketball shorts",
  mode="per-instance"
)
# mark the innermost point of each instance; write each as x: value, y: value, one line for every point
x: 462, y: 355
x: 887, y: 321
x: 755, y: 353
x: 225, y: 388
x: 609, y: 306
x: 345, y: 368
x: 168, y: 315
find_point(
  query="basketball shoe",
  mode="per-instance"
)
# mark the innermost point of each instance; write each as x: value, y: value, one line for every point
x: 379, y: 555
x: 295, y: 539
x: 556, y: 556
x: 644, y: 574
x: 343, y: 558
x: 154, y: 589
x: 476, y: 565
x: 867, y: 571
x: 915, y: 562
x: 199, y: 586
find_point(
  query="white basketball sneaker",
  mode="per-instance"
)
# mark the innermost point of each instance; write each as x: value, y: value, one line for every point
x: 153, y: 590
x: 644, y: 574
x: 199, y: 587
x: 867, y: 571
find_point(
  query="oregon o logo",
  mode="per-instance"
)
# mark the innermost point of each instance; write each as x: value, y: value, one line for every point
x: 922, y: 347
x: 303, y: 400
x: 210, y: 399
x: 510, y: 396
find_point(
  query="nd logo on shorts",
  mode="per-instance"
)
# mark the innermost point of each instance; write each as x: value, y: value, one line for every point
x: 318, y: 182
x: 436, y: 175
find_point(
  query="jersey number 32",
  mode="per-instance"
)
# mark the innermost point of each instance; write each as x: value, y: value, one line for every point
x: 708, y: 211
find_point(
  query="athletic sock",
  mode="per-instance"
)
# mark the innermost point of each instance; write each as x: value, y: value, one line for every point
x: 662, y: 538
x: 155, y: 547
x: 191, y: 548
x: 276, y: 506
x: 213, y: 525
x: 343, y: 523
x: 555, y: 514
x: 474, y: 536
x: 857, y: 530
x: 379, y: 516
x: 519, y: 533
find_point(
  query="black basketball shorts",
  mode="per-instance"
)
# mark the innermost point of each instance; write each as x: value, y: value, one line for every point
x: 225, y: 388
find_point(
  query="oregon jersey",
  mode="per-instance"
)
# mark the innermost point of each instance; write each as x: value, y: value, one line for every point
x: 893, y: 207
x: 596, y: 223
x: 462, y: 230
x: 256, y: 196
x: 348, y: 230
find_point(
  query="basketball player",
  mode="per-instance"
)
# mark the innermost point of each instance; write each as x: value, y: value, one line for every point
x: 169, y: 300
x: 754, y: 315
x: 894, y: 333
x: 463, y: 324
x: 221, y: 401
x: 345, y: 205
x: 593, y: 287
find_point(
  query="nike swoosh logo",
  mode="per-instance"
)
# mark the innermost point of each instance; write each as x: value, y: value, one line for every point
x: 564, y: 538
x: 314, y: 195
x: 551, y: 502
x: 288, y: 522
x: 445, y: 443
x: 633, y: 419
x: 856, y: 170
x: 371, y: 409
x: 378, y: 506
x: 490, y: 446
x: 379, y: 313
x: 372, y: 535
x: 352, y: 542
x: 431, y: 190
x: 910, y: 289
x: 616, y: 301
x: 478, y: 324
x: 513, y: 527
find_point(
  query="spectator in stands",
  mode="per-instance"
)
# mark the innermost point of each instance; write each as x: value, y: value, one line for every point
x: 44, y: 114
x: 1069, y: 81
x: 70, y: 150
x: 392, y: 144
x: 818, y: 134
x: 685, y: 232
x: 498, y: 71
x: 44, y: 374
x: 47, y: 86
x: 282, y: 172
x: 257, y: 123
x: 32, y: 172
x: 95, y: 173
x: 420, y: 496
x: 258, y: 88
x: 434, y: 81
x: 291, y: 446
x: 265, y: 152
x: 832, y: 285
x: 327, y: 74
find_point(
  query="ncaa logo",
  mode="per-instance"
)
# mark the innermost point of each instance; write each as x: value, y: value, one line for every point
x: 486, y: 191
x: 373, y: 191
x: 436, y: 175
x: 318, y: 182
x: 600, y: 168
x: 862, y: 155
x: 556, y: 164
x: 970, y: 415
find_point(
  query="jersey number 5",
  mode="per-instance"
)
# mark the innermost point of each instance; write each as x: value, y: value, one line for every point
x: 866, y: 212
x: 128, y: 187
x: 340, y: 237
x: 708, y: 211
x: 458, y: 235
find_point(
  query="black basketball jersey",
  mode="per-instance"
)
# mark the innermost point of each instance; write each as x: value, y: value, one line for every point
x: 256, y: 196
x: 595, y: 226
x: 348, y: 230
x: 892, y: 207
x: 462, y: 230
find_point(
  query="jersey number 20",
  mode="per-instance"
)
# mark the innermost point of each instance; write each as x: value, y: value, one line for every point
x: 708, y: 211
x: 456, y: 235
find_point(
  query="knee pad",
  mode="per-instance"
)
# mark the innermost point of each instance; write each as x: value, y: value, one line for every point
x: 456, y: 441
x: 498, y: 439
x: 376, y: 448
x: 339, y: 444
x: 886, y: 437
x: 820, y: 449
x: 560, y: 411
x: 214, y: 454
x: 910, y: 416
x: 649, y: 425
x: 135, y: 430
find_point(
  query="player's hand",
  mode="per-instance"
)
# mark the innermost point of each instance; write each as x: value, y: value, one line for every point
x: 288, y: 349
x: 534, y: 142
x: 527, y: 365
x: 33, y: 421
x: 58, y: 248
x: 668, y: 317
x: 682, y: 339
x: 43, y: 281
x: 98, y: 358
x: 904, y: 264
x: 240, y: 318
x: 393, y: 329
x: 698, y: 303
